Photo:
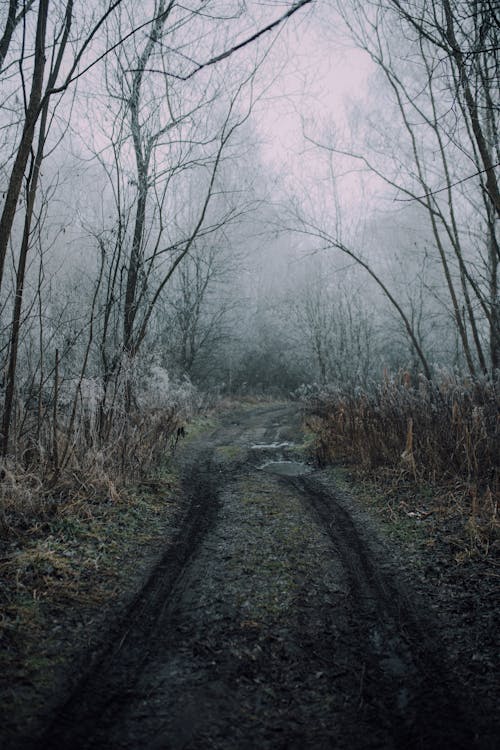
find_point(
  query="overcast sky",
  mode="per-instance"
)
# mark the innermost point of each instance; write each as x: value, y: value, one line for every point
x: 321, y: 76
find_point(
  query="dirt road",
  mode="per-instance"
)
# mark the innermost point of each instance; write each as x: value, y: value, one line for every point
x: 278, y: 620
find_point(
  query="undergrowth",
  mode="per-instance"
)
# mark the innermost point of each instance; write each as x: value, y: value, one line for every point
x: 434, y: 440
x: 44, y: 479
x: 74, y: 519
x: 72, y: 557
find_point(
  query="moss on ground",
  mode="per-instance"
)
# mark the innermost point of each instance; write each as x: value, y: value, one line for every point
x: 307, y: 447
x: 272, y: 539
x: 199, y: 425
x: 420, y: 517
x: 395, y: 518
x: 56, y: 575
x: 229, y: 452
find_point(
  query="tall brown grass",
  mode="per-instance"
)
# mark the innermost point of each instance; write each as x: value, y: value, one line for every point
x: 431, y: 431
x: 58, y: 466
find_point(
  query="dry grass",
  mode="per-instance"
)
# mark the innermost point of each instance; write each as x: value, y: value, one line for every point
x: 75, y: 558
x: 444, y: 435
x: 70, y: 532
x: 40, y: 481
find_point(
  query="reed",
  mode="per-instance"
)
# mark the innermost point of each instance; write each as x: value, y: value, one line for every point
x: 430, y: 431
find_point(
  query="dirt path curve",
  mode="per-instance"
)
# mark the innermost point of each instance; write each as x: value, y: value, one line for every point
x: 276, y: 621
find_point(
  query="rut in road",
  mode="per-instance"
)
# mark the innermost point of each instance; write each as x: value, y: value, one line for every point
x: 276, y: 623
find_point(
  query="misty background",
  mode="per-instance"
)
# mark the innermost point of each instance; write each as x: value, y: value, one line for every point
x: 241, y: 198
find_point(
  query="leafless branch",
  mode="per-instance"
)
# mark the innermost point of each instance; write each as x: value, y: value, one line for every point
x: 227, y: 53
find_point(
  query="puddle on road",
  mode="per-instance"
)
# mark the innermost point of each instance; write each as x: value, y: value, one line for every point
x: 286, y: 468
x: 271, y: 446
x: 280, y: 464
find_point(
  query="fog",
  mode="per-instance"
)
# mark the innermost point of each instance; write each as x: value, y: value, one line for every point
x: 250, y: 199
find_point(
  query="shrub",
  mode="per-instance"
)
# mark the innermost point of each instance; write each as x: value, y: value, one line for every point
x: 431, y: 430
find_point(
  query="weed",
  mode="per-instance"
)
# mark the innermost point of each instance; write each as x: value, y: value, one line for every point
x: 444, y: 434
x: 229, y: 452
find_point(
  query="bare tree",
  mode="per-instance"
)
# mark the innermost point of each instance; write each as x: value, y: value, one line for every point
x: 193, y: 321
x: 179, y: 143
x: 332, y: 324
x: 437, y: 157
x: 32, y: 179
x: 45, y: 48
x: 41, y: 91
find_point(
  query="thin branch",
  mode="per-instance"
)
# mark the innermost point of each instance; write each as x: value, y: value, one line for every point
x: 232, y: 50
x: 10, y: 25
x: 441, y: 190
x: 71, y: 75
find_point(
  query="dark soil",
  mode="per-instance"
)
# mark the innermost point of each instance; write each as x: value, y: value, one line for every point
x: 279, y: 618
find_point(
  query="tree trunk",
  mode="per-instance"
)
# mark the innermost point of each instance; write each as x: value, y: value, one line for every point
x: 24, y: 150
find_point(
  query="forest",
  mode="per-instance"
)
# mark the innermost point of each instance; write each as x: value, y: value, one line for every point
x: 147, y: 258
x: 231, y: 203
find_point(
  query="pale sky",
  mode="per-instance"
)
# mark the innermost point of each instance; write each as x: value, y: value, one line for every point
x: 321, y: 78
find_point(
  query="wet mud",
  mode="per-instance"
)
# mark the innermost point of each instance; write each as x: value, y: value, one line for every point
x: 278, y: 619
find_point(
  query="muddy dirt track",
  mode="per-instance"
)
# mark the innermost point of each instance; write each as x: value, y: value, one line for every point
x: 277, y: 620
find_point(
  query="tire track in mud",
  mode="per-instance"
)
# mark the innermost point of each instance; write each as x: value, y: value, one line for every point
x: 405, y: 679
x: 109, y: 685
x: 273, y: 622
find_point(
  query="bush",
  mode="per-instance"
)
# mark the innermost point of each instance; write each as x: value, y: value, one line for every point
x: 432, y: 430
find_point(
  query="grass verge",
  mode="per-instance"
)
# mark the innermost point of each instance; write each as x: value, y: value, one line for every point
x: 64, y: 571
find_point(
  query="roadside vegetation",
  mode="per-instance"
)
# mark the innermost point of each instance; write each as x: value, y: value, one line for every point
x: 434, y: 447
x: 159, y: 256
x: 80, y: 526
